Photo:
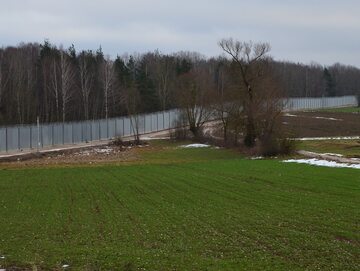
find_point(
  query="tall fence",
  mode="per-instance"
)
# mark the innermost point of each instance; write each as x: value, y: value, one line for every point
x: 34, y: 136
x: 21, y: 137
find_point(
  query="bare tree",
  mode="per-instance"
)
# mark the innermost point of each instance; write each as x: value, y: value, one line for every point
x: 227, y: 102
x: 193, y: 91
x: 67, y: 72
x: 163, y: 73
x: 2, y: 80
x: 107, y: 79
x: 131, y: 99
x: 55, y: 84
x: 249, y: 58
x: 86, y: 80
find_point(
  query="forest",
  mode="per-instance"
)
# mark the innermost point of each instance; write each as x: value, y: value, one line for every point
x: 60, y: 84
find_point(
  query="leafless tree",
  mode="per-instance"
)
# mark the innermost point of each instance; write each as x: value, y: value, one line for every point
x: 107, y: 79
x: 249, y: 57
x: 55, y: 84
x: 226, y: 104
x: 86, y: 80
x: 67, y: 71
x: 193, y: 90
x: 130, y: 98
x: 163, y: 73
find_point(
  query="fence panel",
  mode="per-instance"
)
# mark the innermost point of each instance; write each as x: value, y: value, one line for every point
x: 25, y: 137
x: 3, y: 140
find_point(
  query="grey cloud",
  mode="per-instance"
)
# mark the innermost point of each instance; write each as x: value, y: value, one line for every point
x: 302, y: 31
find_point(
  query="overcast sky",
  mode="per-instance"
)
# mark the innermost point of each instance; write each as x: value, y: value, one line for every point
x: 324, y: 31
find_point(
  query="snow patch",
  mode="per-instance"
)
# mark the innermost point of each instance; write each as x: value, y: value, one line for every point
x: 324, y: 118
x: 257, y: 158
x: 195, y: 146
x: 154, y: 138
x: 289, y: 115
x: 323, y: 163
x: 328, y: 138
x: 332, y: 154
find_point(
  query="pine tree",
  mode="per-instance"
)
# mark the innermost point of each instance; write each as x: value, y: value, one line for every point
x: 330, y: 83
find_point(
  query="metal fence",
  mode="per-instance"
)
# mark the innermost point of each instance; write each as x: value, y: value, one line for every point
x: 294, y: 104
x: 21, y: 137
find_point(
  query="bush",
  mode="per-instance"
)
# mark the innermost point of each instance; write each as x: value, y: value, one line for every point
x: 273, y: 146
x: 118, y: 142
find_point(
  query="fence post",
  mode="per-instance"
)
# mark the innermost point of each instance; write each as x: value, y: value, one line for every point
x: 30, y: 138
x: 107, y: 128
x: 52, y: 134
x: 63, y: 133
x: 38, y: 133
x: 169, y: 121
x: 91, y: 137
x: 157, y: 121
x: 6, y: 139
x: 115, y: 124
x: 72, y: 132
x: 99, y: 130
x: 18, y: 132
x: 144, y: 124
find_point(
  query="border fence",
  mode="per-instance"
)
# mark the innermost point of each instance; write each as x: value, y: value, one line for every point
x: 22, y: 137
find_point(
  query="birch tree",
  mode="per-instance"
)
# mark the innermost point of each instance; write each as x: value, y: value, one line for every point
x: 67, y: 76
x: 107, y: 79
x: 86, y: 80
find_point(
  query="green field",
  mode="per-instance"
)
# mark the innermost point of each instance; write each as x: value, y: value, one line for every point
x: 181, y: 209
x: 348, y: 148
x: 342, y: 110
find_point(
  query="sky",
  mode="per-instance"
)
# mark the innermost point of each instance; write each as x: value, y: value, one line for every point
x: 321, y: 31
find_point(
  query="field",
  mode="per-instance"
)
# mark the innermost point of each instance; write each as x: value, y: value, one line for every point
x: 171, y: 208
x: 347, y: 148
x: 343, y: 110
x: 322, y: 123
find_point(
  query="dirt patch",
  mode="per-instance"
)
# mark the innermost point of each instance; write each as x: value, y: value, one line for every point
x: 85, y: 156
x: 321, y: 124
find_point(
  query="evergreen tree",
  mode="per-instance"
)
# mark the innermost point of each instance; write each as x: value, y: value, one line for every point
x: 330, y: 83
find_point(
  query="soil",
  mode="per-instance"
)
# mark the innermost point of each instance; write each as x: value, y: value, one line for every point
x: 321, y: 124
x: 298, y: 124
x: 84, y: 156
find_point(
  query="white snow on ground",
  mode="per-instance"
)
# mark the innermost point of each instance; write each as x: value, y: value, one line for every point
x: 257, y: 158
x: 153, y: 138
x: 324, y: 118
x: 289, y: 115
x: 195, y: 146
x: 104, y: 150
x: 323, y: 163
x: 332, y: 154
x: 328, y: 138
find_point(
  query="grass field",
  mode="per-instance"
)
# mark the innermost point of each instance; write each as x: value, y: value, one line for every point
x: 181, y: 209
x: 348, y: 148
x: 342, y: 110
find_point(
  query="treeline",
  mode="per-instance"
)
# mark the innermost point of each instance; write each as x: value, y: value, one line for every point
x: 59, y: 84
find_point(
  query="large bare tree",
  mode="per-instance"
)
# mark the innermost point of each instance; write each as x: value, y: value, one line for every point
x: 250, y: 58
x: 107, y: 79
x: 194, y: 97
x: 86, y: 80
x: 67, y: 72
